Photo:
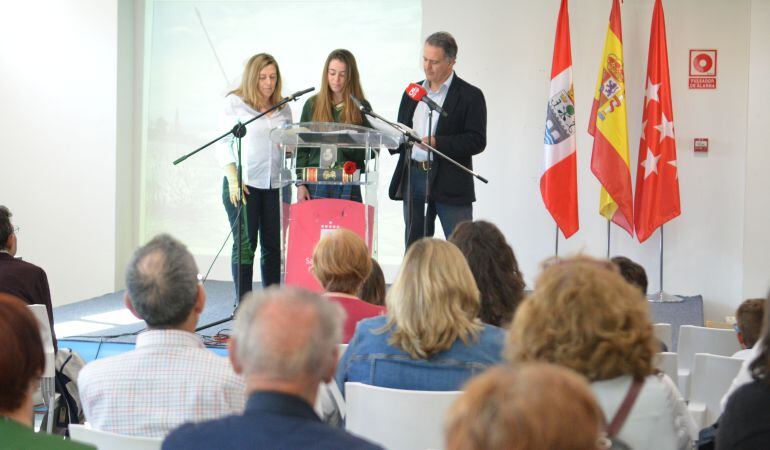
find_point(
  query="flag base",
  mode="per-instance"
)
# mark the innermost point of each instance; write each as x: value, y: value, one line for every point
x: 664, y: 297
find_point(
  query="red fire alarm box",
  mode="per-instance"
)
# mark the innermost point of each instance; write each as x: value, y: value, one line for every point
x: 701, y: 145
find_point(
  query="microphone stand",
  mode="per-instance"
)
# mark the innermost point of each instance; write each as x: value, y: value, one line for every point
x: 239, y: 131
x: 411, y: 137
x: 426, y: 204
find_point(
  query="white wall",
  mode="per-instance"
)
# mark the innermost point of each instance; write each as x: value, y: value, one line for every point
x: 756, y: 256
x: 60, y: 179
x: 506, y: 48
x: 57, y: 115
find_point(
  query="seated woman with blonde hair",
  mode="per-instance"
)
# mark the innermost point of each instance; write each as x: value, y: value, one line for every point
x: 431, y: 338
x: 583, y: 315
x: 341, y: 263
x: 534, y: 406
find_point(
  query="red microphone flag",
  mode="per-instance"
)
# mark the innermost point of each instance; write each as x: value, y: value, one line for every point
x: 558, y: 183
x: 657, y: 177
x: 415, y: 91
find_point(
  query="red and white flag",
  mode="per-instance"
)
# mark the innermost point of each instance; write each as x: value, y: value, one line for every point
x: 657, y: 178
x: 558, y: 183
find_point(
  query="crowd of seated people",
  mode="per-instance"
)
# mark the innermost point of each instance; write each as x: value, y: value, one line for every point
x: 569, y: 366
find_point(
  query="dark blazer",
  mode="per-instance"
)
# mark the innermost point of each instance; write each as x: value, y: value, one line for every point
x: 271, y: 420
x: 460, y: 135
x: 26, y: 281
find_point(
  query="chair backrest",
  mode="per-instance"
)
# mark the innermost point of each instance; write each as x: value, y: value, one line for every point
x: 711, y: 378
x: 104, y: 440
x: 396, y: 418
x: 666, y: 363
x: 41, y: 314
x: 662, y: 332
x: 694, y: 340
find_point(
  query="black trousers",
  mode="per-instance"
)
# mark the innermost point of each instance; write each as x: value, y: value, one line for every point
x: 261, y: 222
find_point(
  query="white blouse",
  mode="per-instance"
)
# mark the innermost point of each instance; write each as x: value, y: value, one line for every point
x: 261, y: 158
x: 659, y: 418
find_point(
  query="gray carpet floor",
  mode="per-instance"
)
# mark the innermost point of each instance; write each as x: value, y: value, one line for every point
x: 220, y: 298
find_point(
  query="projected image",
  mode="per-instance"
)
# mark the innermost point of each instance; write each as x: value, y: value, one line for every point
x: 194, y: 55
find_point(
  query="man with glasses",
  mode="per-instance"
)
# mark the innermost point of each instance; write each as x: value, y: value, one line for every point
x: 20, y: 278
x: 170, y: 377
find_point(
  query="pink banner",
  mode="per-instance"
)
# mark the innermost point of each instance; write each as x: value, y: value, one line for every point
x: 308, y: 222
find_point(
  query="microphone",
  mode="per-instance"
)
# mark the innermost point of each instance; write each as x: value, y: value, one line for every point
x: 297, y: 94
x: 359, y: 104
x: 419, y: 94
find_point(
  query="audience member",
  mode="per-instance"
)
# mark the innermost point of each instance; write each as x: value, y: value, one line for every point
x: 494, y: 267
x: 584, y: 316
x: 170, y: 377
x: 633, y: 272
x: 745, y: 422
x: 431, y: 338
x: 285, y: 343
x: 21, y: 364
x: 373, y: 290
x: 20, y: 278
x: 534, y: 406
x: 748, y: 325
x: 341, y: 263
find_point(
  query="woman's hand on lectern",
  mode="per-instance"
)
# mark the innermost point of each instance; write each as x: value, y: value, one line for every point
x: 302, y: 193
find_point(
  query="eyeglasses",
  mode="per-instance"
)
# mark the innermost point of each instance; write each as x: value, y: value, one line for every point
x: 736, y: 328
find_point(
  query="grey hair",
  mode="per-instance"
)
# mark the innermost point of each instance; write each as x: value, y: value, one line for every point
x: 162, y: 282
x: 6, y: 229
x: 267, y: 348
x: 445, y: 41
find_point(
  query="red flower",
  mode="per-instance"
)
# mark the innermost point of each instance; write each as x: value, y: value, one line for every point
x: 349, y: 167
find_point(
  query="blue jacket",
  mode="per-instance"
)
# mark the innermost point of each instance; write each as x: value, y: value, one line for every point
x: 271, y: 420
x: 369, y: 359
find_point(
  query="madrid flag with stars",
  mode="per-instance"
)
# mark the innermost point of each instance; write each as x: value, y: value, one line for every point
x: 657, y: 179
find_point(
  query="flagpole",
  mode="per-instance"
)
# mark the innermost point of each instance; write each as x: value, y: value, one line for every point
x: 662, y: 296
x: 608, y: 239
x: 556, y: 247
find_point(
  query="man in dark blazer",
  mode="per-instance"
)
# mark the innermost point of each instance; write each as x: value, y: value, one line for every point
x: 20, y: 278
x: 460, y: 135
x: 284, y: 343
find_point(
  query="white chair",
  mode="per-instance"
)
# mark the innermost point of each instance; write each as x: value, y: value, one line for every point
x: 48, y: 380
x: 342, y: 348
x: 104, y: 440
x: 694, y: 340
x: 662, y: 332
x: 396, y: 418
x: 666, y: 363
x: 711, y: 377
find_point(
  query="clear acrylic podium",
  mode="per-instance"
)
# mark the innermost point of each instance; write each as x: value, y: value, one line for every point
x: 304, y: 223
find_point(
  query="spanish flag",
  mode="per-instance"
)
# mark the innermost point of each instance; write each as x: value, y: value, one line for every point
x: 607, y: 124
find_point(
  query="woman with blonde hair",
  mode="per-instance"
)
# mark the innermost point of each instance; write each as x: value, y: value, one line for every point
x: 341, y: 263
x: 583, y: 315
x: 260, y: 89
x: 533, y: 406
x: 340, y: 80
x: 431, y: 338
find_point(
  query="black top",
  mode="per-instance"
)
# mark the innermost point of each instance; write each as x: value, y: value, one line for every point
x: 26, y: 281
x: 271, y: 420
x: 745, y: 423
x: 460, y: 135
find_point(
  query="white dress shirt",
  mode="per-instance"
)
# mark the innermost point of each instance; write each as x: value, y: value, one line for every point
x: 659, y: 418
x: 420, y: 118
x: 169, y: 379
x: 260, y: 158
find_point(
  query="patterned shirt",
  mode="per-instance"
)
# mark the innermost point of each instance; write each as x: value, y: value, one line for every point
x: 169, y: 379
